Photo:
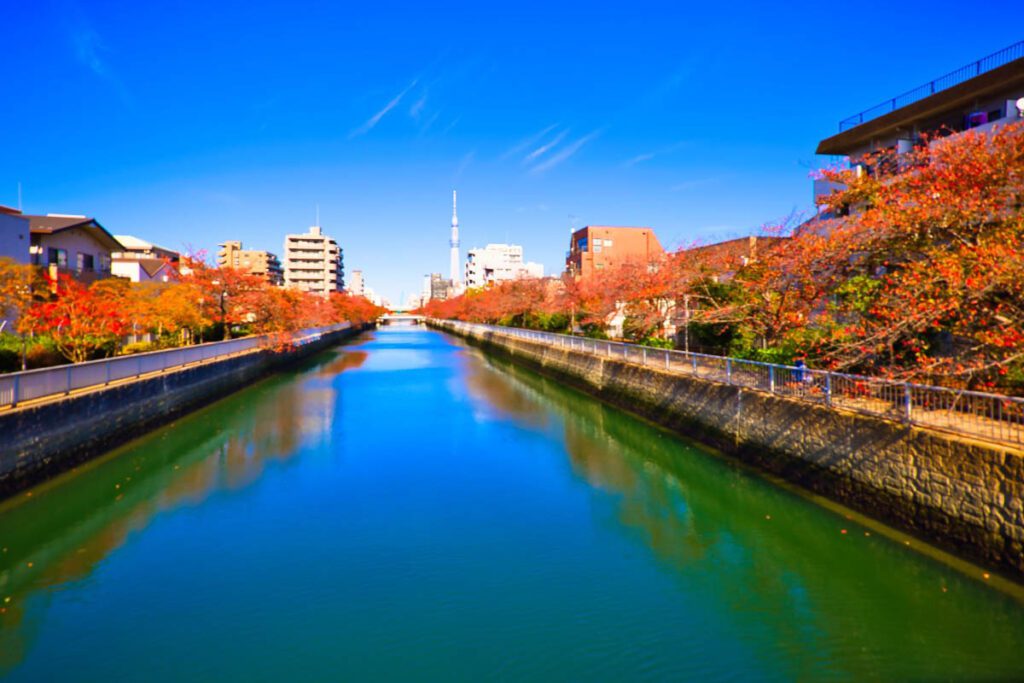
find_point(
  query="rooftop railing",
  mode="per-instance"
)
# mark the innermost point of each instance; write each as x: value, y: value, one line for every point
x: 980, y: 415
x: 964, y: 73
x: 19, y: 387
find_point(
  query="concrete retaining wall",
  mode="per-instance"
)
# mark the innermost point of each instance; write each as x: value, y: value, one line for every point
x: 965, y: 496
x: 39, y: 441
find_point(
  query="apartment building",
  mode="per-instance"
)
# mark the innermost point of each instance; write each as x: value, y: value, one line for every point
x: 978, y: 96
x: 313, y: 262
x: 356, y: 284
x: 595, y: 248
x: 254, y: 261
x: 498, y: 263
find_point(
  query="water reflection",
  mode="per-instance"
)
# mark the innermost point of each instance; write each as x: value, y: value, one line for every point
x: 831, y: 596
x: 60, y: 532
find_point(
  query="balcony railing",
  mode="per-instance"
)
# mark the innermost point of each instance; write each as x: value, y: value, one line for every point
x: 964, y: 73
x: 986, y: 416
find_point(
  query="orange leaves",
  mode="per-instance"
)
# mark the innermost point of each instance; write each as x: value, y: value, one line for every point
x: 81, y: 320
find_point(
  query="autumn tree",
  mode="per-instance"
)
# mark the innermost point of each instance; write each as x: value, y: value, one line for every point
x: 933, y: 283
x: 82, y: 321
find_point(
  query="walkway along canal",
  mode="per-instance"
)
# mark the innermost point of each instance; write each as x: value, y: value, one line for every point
x: 404, y: 507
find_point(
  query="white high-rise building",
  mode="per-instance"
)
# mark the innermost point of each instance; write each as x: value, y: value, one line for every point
x: 498, y: 263
x: 356, y: 285
x: 454, y: 244
x: 313, y: 262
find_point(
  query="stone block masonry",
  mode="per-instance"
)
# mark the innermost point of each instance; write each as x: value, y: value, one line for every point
x: 962, y: 495
x: 42, y: 440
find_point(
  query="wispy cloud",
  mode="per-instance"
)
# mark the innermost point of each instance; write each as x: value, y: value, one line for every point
x: 454, y: 122
x: 543, y: 149
x: 565, y: 153
x: 464, y: 163
x: 90, y: 50
x: 526, y: 143
x: 417, y: 107
x: 647, y: 156
x: 639, y: 158
x: 375, y: 119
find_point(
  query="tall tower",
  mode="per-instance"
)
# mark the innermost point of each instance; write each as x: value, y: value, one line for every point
x: 455, y: 244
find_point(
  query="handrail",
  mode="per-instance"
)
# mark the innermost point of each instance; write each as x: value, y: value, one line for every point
x: 28, y: 385
x: 991, y: 417
x: 956, y: 77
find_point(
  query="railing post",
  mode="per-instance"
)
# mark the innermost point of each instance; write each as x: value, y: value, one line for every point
x: 644, y: 359
x: 667, y: 357
x: 693, y: 359
x: 907, y: 402
x: 16, y: 389
x: 107, y: 366
x: 828, y: 389
x: 728, y: 370
x: 771, y: 378
x: 67, y: 380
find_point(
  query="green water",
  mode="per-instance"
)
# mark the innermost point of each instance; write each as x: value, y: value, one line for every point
x: 402, y: 508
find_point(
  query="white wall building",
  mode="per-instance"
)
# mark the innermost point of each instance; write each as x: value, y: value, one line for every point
x: 498, y: 263
x: 313, y: 262
x: 14, y: 235
x: 356, y: 284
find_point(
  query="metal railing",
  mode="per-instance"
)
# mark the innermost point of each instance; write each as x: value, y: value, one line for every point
x: 987, y: 416
x: 964, y: 73
x: 19, y: 387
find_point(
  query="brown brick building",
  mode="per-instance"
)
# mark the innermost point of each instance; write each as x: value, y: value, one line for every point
x: 598, y: 247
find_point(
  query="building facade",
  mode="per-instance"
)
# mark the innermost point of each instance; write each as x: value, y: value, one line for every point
x: 15, y: 238
x: 255, y: 261
x: 597, y: 247
x: 498, y: 263
x: 440, y: 288
x: 313, y: 262
x: 356, y: 284
x: 72, y: 245
x: 979, y: 96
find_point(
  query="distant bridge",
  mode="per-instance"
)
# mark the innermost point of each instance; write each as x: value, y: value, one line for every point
x: 399, y: 318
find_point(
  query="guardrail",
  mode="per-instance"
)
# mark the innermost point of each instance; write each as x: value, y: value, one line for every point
x: 964, y: 73
x: 987, y: 416
x: 18, y: 387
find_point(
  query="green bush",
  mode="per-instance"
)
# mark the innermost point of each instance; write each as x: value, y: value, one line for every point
x: 658, y: 342
x: 138, y: 347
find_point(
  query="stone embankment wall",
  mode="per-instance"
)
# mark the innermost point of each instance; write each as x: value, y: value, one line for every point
x: 965, y: 496
x: 39, y: 441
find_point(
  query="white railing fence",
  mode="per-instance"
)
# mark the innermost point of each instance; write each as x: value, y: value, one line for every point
x: 18, y: 387
x: 988, y: 416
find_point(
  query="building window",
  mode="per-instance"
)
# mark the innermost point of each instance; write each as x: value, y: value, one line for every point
x: 85, y: 262
x: 58, y: 257
x: 582, y: 244
x: 607, y: 243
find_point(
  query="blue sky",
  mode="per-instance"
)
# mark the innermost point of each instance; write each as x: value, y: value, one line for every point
x: 191, y: 123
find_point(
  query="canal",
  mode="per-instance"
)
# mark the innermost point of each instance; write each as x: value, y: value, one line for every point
x: 404, y: 508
